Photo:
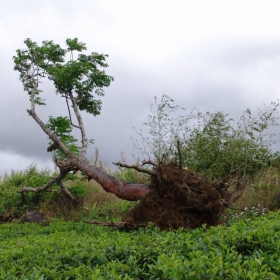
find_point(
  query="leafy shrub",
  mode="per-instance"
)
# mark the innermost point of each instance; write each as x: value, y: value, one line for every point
x: 9, y: 200
x: 78, y: 189
x: 11, y: 203
x: 215, y: 146
x: 211, y: 144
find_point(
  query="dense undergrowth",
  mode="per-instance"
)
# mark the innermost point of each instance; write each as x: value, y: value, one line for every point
x: 243, y: 249
x: 94, y: 203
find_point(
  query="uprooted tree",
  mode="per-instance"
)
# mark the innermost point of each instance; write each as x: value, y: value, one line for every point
x: 176, y: 197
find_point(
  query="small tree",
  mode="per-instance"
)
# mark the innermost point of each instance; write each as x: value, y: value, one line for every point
x: 211, y: 144
x: 215, y: 145
x: 80, y: 82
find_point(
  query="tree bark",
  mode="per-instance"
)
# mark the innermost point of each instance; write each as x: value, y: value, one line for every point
x: 110, y: 184
x: 126, y: 191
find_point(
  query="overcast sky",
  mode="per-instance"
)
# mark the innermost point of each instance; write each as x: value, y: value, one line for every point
x: 213, y: 55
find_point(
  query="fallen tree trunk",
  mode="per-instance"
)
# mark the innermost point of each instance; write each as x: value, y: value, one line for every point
x: 126, y: 191
x: 180, y: 198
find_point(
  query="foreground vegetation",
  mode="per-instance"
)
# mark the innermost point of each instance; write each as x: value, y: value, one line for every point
x: 245, y: 249
x: 95, y: 203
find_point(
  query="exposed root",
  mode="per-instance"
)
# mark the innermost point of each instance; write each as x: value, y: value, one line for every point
x: 180, y: 198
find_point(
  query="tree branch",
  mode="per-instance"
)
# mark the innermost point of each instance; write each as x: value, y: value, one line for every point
x: 232, y: 172
x: 234, y: 208
x: 55, y: 139
x: 136, y: 167
x: 65, y: 190
x: 127, y: 191
x: 74, y: 125
x: 41, y: 189
x: 81, y: 126
x: 180, y: 154
x: 150, y: 162
x: 63, y: 172
x: 118, y: 225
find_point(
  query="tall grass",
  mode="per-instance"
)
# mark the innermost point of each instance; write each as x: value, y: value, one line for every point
x: 263, y: 188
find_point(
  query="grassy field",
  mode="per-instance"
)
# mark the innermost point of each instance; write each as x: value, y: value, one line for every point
x: 246, y: 248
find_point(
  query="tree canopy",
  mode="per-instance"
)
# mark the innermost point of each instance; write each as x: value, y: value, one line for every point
x: 80, y: 80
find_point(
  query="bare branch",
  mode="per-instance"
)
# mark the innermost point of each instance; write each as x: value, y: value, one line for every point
x: 81, y: 126
x: 150, y: 162
x: 108, y: 224
x: 58, y: 179
x: 41, y: 189
x: 74, y: 125
x: 234, y: 208
x: 236, y: 194
x: 66, y: 191
x: 232, y: 172
x: 55, y: 139
x: 136, y: 167
x: 179, y: 154
x: 63, y: 172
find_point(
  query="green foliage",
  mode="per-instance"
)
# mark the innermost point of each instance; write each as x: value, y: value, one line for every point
x: 81, y: 76
x: 79, y: 80
x: 10, y: 199
x: 215, y: 146
x: 61, y: 127
x: 79, y: 189
x: 243, y: 250
x: 211, y: 144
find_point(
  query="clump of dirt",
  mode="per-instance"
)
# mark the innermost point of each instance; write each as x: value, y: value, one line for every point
x: 34, y: 217
x: 179, y: 198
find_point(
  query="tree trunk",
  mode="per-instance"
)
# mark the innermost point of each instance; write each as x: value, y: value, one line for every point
x: 180, y: 198
x: 126, y: 191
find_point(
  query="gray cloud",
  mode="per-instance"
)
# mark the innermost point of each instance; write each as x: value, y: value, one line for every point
x: 203, y: 54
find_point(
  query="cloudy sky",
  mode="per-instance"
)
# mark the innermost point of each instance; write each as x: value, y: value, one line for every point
x: 213, y: 55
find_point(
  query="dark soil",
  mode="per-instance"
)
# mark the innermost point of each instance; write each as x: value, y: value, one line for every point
x: 179, y: 198
x: 34, y: 217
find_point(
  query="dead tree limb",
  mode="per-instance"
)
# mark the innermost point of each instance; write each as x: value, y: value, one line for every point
x: 179, y: 154
x: 150, y: 162
x: 66, y: 191
x: 58, y: 180
x: 136, y: 167
x: 232, y: 172
x: 40, y: 189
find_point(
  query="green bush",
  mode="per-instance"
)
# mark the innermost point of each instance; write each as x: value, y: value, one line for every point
x: 216, y: 146
x: 9, y: 200
x: 79, y: 189
x: 11, y: 203
x: 211, y: 144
